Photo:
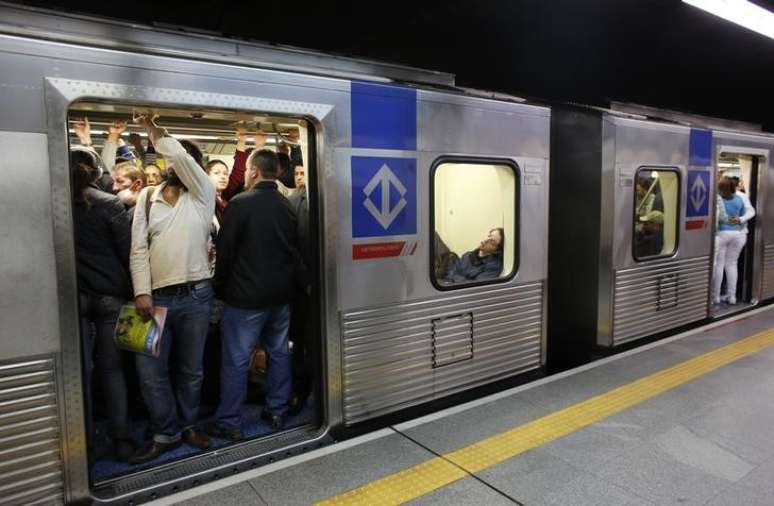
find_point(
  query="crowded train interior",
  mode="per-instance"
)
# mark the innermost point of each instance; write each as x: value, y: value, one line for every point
x: 221, y: 135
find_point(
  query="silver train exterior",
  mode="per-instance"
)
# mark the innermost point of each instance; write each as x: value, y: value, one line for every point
x: 380, y: 317
x: 602, y: 295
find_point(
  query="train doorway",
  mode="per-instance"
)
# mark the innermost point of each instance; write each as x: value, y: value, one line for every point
x: 225, y: 139
x: 744, y: 171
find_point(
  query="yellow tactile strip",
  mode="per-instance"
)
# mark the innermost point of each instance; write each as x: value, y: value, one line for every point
x: 438, y: 472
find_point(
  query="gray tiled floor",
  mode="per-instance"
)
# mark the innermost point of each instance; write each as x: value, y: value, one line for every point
x: 241, y: 494
x: 706, y: 442
x: 339, y: 472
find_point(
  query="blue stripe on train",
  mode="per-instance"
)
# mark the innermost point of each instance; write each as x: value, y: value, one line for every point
x: 700, y: 148
x: 383, y: 116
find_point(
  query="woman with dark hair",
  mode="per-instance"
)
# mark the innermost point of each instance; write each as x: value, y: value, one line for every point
x: 102, y: 241
x: 484, y: 262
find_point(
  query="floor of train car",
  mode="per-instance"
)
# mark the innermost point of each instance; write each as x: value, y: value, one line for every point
x: 106, y: 467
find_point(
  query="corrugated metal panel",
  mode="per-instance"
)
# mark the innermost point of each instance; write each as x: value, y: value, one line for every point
x: 768, y: 271
x: 30, y: 458
x: 659, y: 296
x: 389, y: 351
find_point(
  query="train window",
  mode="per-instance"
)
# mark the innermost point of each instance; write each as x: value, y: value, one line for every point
x: 475, y: 232
x: 656, y: 212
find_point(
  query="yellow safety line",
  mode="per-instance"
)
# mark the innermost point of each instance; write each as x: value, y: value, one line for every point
x: 438, y: 472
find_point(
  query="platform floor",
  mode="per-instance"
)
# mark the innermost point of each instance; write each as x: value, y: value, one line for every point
x: 687, y: 420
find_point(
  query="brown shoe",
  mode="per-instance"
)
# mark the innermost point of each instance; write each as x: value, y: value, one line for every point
x: 196, y: 438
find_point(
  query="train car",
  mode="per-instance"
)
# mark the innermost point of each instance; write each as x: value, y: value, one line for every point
x: 634, y: 199
x: 405, y: 173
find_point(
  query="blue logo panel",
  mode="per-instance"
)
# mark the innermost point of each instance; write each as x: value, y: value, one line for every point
x: 383, y: 117
x: 384, y: 196
x: 699, y: 194
x: 700, y: 147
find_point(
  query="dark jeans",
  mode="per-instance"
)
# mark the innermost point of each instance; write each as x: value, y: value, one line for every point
x: 241, y: 331
x: 98, y: 321
x: 185, y: 333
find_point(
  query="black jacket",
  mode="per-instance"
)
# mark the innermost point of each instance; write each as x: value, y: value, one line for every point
x: 258, y: 262
x: 102, y: 243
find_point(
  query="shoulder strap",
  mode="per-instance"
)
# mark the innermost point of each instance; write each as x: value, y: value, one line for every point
x: 149, y: 194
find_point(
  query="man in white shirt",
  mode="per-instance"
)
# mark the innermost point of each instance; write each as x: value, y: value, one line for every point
x: 170, y: 268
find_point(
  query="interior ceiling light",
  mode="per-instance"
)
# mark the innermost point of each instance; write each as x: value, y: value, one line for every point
x: 741, y: 12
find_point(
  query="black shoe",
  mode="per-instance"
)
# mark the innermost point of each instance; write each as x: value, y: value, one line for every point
x: 196, y: 438
x: 214, y: 430
x: 276, y: 422
x: 124, y: 448
x: 297, y: 404
x: 152, y: 451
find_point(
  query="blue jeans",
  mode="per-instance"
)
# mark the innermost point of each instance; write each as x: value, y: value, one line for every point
x: 98, y: 320
x: 241, y: 330
x: 185, y: 333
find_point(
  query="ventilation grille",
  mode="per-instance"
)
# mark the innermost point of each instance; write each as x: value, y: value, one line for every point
x: 659, y: 296
x: 30, y: 461
x: 393, y: 359
x: 452, y: 339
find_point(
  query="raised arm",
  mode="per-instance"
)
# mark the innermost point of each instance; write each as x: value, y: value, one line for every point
x: 83, y: 131
x: 190, y: 173
x: 296, y: 156
x: 110, y: 148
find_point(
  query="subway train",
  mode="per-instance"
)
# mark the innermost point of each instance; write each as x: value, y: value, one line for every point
x: 407, y: 175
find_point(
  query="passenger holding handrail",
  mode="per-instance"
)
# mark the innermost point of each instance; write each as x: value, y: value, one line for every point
x: 236, y: 180
x: 103, y: 180
x: 170, y: 268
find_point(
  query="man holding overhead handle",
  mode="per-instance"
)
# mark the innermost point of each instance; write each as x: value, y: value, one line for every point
x: 170, y: 268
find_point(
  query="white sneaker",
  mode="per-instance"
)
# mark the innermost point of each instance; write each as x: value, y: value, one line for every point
x: 731, y: 300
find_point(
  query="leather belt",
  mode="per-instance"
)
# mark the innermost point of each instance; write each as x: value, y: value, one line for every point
x: 182, y: 288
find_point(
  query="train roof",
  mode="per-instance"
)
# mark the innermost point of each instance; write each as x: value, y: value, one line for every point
x: 167, y: 40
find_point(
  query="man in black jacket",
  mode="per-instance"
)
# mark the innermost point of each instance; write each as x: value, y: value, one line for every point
x: 258, y: 262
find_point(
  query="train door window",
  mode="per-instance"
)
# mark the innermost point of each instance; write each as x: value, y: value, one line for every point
x: 475, y: 222
x: 656, y: 212
x: 119, y: 411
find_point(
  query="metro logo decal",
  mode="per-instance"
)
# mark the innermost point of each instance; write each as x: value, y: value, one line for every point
x: 384, y: 196
x: 698, y: 193
x: 385, y: 178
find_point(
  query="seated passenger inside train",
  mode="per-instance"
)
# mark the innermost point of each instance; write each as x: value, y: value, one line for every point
x: 484, y: 262
x: 649, y: 211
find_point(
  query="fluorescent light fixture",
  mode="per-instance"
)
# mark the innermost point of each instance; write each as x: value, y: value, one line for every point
x: 741, y: 12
